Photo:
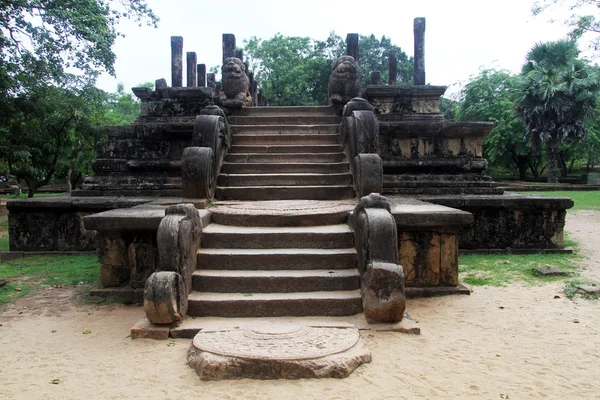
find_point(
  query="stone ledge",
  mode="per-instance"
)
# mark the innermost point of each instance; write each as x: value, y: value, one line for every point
x: 76, y: 203
x: 515, y: 251
x: 418, y: 292
x: 412, y: 213
x: 507, y: 200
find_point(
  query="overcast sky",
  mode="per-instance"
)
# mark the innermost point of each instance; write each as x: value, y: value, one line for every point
x: 461, y: 35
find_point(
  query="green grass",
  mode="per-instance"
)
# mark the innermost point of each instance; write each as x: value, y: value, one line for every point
x: 501, y: 270
x: 31, y: 273
x: 4, y: 243
x: 584, y: 200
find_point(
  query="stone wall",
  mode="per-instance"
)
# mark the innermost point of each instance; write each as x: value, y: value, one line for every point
x: 511, y: 221
x: 56, y: 223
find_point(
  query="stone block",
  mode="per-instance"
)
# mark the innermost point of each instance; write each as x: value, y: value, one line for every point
x: 144, y: 329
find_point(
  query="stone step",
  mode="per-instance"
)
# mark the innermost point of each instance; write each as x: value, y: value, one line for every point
x: 241, y: 237
x: 285, y: 120
x: 284, y: 138
x: 285, y: 129
x: 291, y: 168
x: 274, y: 304
x: 267, y: 149
x: 285, y: 157
x: 276, y: 259
x: 330, y: 192
x: 283, y: 179
x: 282, y: 111
x: 277, y: 281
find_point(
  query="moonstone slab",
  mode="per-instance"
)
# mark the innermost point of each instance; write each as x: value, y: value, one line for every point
x: 278, y: 352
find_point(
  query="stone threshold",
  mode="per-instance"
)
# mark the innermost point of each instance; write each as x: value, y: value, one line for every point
x: 187, y: 329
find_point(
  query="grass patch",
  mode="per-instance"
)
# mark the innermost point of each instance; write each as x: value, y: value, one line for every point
x: 501, y: 270
x: 30, y: 273
x: 4, y: 244
x: 572, y: 292
x: 584, y: 200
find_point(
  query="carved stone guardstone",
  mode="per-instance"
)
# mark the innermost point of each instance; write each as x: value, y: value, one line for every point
x: 344, y: 81
x: 178, y: 238
x: 236, y: 84
x: 376, y: 244
x: 278, y: 352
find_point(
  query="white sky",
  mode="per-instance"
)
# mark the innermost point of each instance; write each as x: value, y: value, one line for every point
x: 461, y: 35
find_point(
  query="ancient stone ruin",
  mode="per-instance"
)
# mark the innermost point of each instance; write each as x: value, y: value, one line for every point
x: 212, y: 204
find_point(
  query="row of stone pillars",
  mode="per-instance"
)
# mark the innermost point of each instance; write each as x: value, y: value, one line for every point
x: 197, y: 76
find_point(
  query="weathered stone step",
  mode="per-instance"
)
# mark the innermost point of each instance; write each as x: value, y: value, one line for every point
x: 274, y: 304
x: 289, y: 139
x: 275, y: 149
x: 126, y: 182
x: 285, y: 129
x: 284, y: 179
x: 285, y: 157
x: 276, y: 259
x: 277, y: 281
x: 266, y: 168
x: 331, y: 192
x: 291, y: 110
x: 285, y: 120
x: 241, y: 237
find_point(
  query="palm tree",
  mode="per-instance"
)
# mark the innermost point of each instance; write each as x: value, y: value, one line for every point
x: 557, y: 93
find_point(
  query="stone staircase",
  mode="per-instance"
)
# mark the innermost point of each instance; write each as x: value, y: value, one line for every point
x: 284, y: 254
x: 285, y: 153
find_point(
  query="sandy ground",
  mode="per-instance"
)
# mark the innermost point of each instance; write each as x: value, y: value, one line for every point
x: 512, y: 342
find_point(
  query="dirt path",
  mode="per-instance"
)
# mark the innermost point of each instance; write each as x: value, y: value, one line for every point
x: 513, y: 342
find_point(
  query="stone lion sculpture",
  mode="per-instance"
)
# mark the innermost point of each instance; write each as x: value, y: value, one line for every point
x: 344, y: 81
x: 236, y: 85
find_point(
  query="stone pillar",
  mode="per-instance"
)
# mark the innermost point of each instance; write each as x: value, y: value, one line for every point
x: 393, y: 68
x: 352, y: 45
x: 419, y: 73
x: 191, y: 69
x: 240, y: 54
x: 375, y: 78
x: 176, y: 61
x: 201, y: 75
x: 211, y: 80
x: 228, y: 46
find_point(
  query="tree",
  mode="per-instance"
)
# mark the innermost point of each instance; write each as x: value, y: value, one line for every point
x: 40, y: 40
x: 557, y: 93
x: 582, y: 21
x: 295, y: 70
x: 490, y: 97
x: 373, y: 55
x: 48, y: 127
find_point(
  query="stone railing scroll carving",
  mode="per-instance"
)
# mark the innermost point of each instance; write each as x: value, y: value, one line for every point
x: 382, y: 278
x: 360, y: 138
x: 178, y: 239
x: 201, y: 163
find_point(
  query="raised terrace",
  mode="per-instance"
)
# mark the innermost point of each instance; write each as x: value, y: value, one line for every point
x: 213, y: 204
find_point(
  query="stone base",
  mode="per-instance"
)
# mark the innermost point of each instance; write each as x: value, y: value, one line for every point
x: 280, y: 352
x: 144, y: 329
x: 515, y: 251
x: 419, y: 292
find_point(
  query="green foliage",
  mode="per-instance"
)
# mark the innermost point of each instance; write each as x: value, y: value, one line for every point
x: 121, y: 108
x: 557, y: 93
x: 373, y: 55
x: 295, y: 70
x: 41, y: 40
x: 31, y: 273
x: 490, y: 97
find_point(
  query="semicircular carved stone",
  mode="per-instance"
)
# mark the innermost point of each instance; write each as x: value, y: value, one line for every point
x: 165, y: 298
x: 344, y: 80
x: 178, y: 240
x: 368, y: 169
x: 197, y: 173
x: 382, y: 278
x: 367, y: 131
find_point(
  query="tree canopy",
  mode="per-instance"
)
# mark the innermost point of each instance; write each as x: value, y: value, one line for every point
x: 557, y: 94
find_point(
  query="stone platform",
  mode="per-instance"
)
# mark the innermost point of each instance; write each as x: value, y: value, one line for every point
x: 277, y: 352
